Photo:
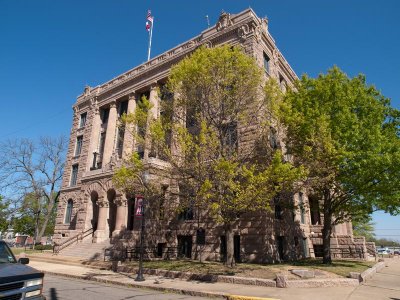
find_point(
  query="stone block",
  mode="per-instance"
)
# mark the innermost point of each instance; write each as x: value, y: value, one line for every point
x: 356, y: 275
x: 281, y: 281
x: 303, y: 273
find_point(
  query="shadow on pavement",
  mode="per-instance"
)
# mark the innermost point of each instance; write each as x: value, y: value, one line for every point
x: 53, y: 294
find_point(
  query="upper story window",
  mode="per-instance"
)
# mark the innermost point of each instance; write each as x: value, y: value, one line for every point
x: 278, y: 208
x: 302, y: 209
x: 186, y: 203
x: 282, y: 83
x: 74, y: 175
x: 266, y: 63
x: 273, y: 138
x: 68, y: 212
x: 105, y: 112
x: 230, y: 137
x: 78, y: 148
x: 123, y: 108
x: 82, y: 121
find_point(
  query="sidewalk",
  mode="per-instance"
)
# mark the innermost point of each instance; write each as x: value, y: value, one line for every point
x: 195, y: 288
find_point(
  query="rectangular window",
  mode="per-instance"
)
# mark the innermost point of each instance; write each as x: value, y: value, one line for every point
x: 230, y: 137
x: 278, y: 208
x: 120, y: 140
x: 266, y: 63
x: 105, y: 112
x: 186, y: 199
x: 78, y: 148
x: 302, y: 210
x: 123, y: 108
x: 74, y: 174
x: 82, y: 121
x: 101, y: 148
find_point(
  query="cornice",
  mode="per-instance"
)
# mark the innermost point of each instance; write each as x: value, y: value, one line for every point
x: 206, y: 37
x: 243, y: 25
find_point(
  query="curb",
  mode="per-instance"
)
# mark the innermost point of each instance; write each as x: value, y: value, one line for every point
x: 136, y: 285
x: 367, y: 274
x: 161, y: 289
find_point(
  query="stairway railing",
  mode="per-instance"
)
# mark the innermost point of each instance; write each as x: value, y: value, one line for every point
x: 74, y: 239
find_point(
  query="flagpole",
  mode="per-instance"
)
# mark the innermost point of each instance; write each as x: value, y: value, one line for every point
x: 151, y: 34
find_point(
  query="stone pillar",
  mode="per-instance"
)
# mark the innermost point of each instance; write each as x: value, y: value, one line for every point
x: 153, y: 114
x: 101, y: 233
x: 110, y: 135
x: 349, y: 226
x: 128, y: 137
x: 94, y: 136
x: 120, y: 220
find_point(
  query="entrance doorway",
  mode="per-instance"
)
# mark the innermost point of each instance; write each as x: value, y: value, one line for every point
x: 95, y: 210
x: 112, y: 211
x: 131, y: 213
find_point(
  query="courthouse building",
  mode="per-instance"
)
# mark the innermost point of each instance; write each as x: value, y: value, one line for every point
x: 93, y: 212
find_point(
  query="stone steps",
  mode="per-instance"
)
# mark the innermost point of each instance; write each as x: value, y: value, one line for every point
x: 86, y: 250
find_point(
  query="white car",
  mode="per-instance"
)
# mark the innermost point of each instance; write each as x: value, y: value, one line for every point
x: 383, y: 251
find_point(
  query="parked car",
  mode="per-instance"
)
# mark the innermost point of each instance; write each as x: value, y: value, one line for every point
x: 396, y: 252
x: 18, y: 281
x: 383, y: 251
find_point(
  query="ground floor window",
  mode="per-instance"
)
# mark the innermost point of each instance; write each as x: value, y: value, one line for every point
x: 318, y: 250
x: 280, y: 245
x: 185, y: 246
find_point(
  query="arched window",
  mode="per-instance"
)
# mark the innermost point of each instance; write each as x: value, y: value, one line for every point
x: 68, y: 212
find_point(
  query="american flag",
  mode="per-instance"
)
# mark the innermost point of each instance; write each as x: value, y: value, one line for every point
x: 149, y: 16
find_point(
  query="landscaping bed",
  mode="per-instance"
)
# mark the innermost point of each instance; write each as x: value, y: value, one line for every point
x: 338, y: 269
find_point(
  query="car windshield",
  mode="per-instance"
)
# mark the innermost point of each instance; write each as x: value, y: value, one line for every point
x: 6, y: 255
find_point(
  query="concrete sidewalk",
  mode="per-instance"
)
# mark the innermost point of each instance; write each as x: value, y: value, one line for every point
x: 195, y: 288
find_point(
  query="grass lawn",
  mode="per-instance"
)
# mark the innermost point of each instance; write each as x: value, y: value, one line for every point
x: 17, y: 251
x: 338, y: 268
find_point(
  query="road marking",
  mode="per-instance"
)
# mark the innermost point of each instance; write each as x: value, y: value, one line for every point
x: 238, y: 297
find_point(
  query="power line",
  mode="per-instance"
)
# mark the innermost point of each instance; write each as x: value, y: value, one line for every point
x: 35, y: 124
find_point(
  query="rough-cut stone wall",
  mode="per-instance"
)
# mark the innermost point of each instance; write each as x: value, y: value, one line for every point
x: 260, y: 233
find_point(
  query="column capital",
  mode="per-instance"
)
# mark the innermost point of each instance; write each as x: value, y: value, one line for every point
x: 113, y: 104
x: 153, y: 85
x: 132, y: 95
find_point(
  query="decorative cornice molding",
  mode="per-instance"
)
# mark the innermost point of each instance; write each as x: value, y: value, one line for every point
x: 224, y: 21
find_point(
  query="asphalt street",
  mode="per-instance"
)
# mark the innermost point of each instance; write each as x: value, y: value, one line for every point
x: 61, y: 288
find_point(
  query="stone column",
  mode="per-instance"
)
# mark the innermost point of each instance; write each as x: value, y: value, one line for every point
x: 110, y: 135
x: 101, y: 233
x: 120, y: 220
x: 94, y: 136
x: 349, y: 226
x: 153, y: 114
x: 128, y: 137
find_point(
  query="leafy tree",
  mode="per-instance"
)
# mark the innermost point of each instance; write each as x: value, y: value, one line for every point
x: 347, y: 136
x: 34, y: 171
x: 214, y: 134
x: 364, y: 227
x: 383, y: 242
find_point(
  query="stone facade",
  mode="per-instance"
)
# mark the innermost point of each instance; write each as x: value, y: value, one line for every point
x: 89, y: 200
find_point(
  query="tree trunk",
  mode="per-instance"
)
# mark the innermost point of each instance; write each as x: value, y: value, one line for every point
x: 327, y: 229
x: 230, y: 259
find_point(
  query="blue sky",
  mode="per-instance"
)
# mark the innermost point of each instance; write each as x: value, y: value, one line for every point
x: 49, y: 50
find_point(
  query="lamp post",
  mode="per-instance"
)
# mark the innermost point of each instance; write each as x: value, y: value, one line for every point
x: 140, y: 213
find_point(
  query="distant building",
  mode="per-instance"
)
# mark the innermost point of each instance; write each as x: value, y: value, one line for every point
x: 91, y: 207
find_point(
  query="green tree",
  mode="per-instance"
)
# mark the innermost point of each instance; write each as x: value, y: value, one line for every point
x: 364, y: 227
x: 214, y: 133
x: 347, y: 136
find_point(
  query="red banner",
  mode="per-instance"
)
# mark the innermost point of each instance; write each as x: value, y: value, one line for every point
x: 139, y: 206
